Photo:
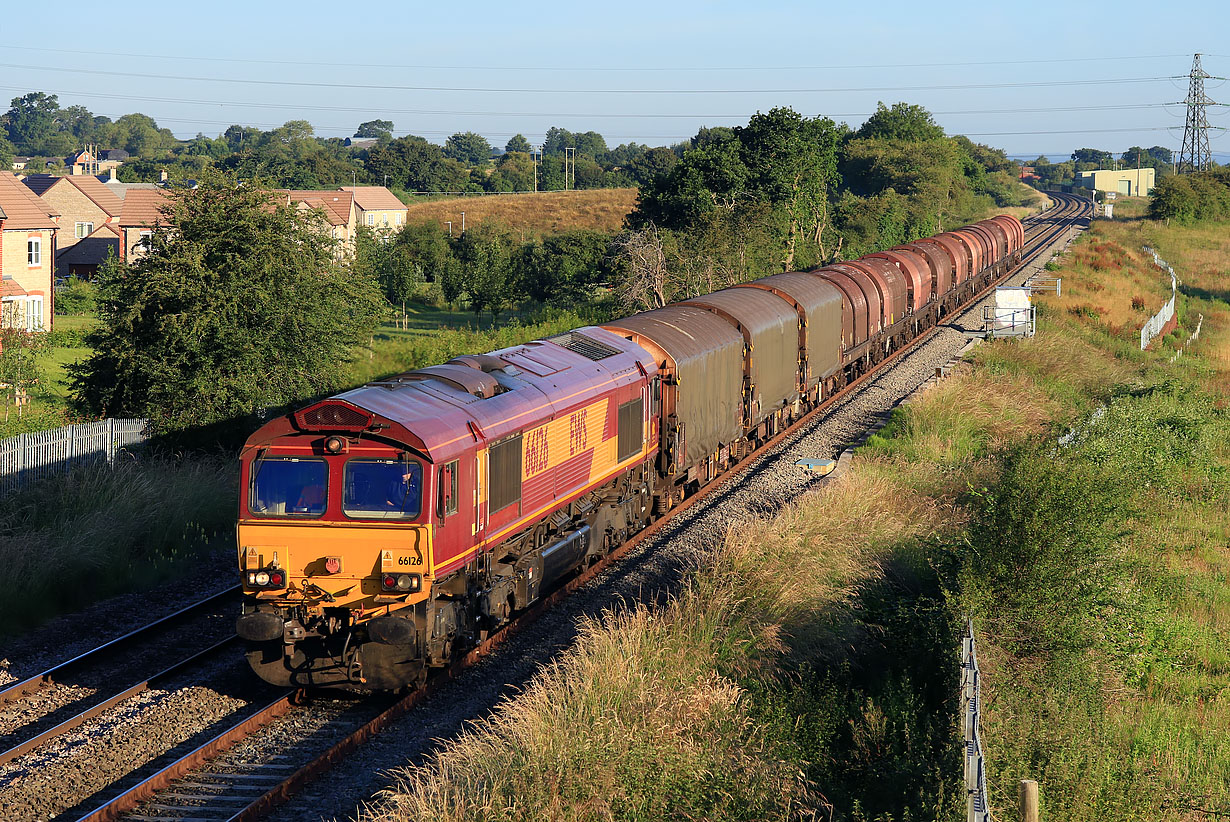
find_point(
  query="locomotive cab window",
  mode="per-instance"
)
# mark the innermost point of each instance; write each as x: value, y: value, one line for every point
x: 288, y: 487
x: 382, y: 489
x: 446, y: 504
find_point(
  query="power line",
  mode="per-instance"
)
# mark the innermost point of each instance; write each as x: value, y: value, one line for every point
x: 574, y: 69
x: 367, y: 111
x: 590, y: 91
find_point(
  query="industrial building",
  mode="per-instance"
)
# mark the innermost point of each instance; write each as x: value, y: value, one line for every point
x: 1130, y: 182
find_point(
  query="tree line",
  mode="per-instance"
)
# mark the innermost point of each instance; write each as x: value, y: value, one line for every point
x: 1054, y: 175
x: 293, y: 156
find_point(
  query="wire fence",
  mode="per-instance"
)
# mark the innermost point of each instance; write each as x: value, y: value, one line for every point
x: 977, y: 808
x: 28, y: 457
x: 1158, y: 322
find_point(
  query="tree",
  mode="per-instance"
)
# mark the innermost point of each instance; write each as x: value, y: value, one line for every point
x: 514, y: 171
x: 1092, y: 156
x: 901, y: 122
x: 518, y: 143
x: 240, y: 305
x: 19, y: 368
x: 564, y: 268
x: 414, y: 164
x: 31, y: 123
x: 377, y: 256
x: 375, y: 128
x: 468, y: 147
x: 6, y: 154
x: 491, y: 282
x: 652, y: 164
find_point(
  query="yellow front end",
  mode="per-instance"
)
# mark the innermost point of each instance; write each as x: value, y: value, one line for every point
x: 333, y: 604
x: 336, y: 564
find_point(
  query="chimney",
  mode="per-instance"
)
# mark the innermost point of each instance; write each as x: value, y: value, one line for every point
x: 111, y: 172
x: 162, y: 177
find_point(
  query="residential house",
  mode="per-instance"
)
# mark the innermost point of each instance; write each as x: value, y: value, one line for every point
x: 378, y: 208
x: 81, y: 162
x: 20, y: 163
x: 86, y: 256
x: 361, y: 142
x: 27, y: 249
x: 338, y: 208
x: 83, y: 203
x: 137, y: 219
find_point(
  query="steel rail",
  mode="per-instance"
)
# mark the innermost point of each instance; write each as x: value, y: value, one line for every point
x: 146, y: 789
x: 281, y: 792
x: 104, y: 706
x: 54, y: 674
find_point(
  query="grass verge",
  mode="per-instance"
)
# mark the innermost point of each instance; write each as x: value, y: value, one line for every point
x: 95, y: 531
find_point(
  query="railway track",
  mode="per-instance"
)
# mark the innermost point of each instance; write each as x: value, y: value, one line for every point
x: 89, y: 672
x: 207, y: 783
x: 182, y: 791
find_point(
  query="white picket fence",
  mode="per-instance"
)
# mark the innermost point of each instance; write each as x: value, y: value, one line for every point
x: 1158, y: 321
x: 28, y: 457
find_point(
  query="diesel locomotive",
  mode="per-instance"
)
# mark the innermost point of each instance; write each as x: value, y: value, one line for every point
x: 386, y: 529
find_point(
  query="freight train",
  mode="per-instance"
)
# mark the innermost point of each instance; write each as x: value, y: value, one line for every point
x: 385, y: 530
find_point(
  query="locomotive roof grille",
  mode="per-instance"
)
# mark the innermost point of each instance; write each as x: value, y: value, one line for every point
x: 585, y: 346
x: 333, y: 416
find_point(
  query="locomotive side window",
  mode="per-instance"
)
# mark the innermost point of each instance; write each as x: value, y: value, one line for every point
x: 504, y: 463
x: 288, y: 487
x: 631, y: 428
x: 447, y: 503
x: 382, y: 489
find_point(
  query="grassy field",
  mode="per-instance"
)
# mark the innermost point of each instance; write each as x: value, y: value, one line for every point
x: 809, y: 671
x: 534, y: 214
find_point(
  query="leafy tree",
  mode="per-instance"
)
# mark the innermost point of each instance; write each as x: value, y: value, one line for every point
x: 240, y: 305
x: 1094, y: 157
x: 652, y: 164
x: 33, y: 125
x: 382, y: 129
x: 514, y: 171
x: 414, y: 164
x: 19, y: 368
x: 491, y: 282
x: 563, y: 268
x: 590, y: 142
x: 468, y: 147
x: 901, y: 122
x: 378, y: 257
x: 518, y: 143
x: 6, y: 154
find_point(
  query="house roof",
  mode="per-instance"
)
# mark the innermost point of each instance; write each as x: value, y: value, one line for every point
x: 99, y: 194
x: 375, y: 198
x: 106, y: 229
x: 336, y: 204
x: 141, y: 207
x: 10, y: 288
x: 22, y: 207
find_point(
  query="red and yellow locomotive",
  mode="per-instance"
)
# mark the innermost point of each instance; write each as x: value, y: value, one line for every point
x: 385, y: 527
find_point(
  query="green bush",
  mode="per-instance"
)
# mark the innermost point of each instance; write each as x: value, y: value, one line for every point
x: 76, y: 297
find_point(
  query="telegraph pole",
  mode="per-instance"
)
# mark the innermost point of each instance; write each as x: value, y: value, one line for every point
x: 570, y: 168
x: 1195, y: 154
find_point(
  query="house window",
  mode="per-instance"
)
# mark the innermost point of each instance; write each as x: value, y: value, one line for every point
x: 34, y: 251
x: 371, y: 219
x: 84, y: 230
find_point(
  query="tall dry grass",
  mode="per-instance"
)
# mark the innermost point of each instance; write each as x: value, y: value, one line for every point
x: 95, y: 531
x: 601, y: 209
x: 645, y: 717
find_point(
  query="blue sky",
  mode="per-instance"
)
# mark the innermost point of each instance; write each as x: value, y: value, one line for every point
x: 652, y: 72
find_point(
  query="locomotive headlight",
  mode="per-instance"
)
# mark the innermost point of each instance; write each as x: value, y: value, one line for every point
x: 402, y: 583
x: 261, y: 578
